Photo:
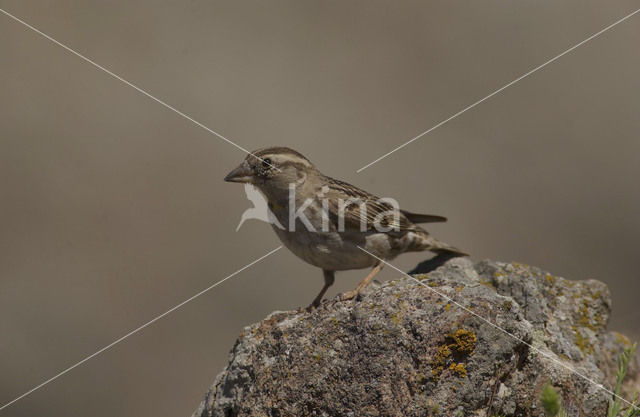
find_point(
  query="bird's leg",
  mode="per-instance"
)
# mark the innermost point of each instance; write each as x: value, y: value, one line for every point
x: 329, y: 278
x: 351, y: 294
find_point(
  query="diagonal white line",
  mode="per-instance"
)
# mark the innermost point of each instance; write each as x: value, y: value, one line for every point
x: 473, y: 313
x: 119, y: 78
x: 132, y: 332
x: 595, y: 35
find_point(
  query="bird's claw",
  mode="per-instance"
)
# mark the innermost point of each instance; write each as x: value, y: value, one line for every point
x: 349, y: 295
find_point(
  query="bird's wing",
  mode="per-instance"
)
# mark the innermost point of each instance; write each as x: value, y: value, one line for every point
x: 374, y: 209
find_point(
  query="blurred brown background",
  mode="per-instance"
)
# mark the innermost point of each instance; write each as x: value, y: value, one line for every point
x: 113, y: 208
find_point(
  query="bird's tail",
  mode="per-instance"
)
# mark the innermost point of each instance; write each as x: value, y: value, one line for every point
x: 430, y: 243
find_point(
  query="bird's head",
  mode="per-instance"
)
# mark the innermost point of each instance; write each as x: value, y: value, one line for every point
x: 272, y: 170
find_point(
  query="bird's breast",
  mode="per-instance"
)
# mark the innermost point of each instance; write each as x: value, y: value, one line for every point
x: 335, y: 251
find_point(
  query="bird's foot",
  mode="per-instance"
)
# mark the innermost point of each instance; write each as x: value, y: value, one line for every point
x: 350, y: 295
x: 314, y: 304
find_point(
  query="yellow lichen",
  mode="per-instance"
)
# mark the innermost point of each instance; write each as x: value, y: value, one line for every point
x: 519, y: 265
x: 584, y: 319
x: 421, y: 379
x: 438, y: 363
x: 459, y: 369
x: 447, y: 307
x: 464, y: 341
x: 488, y: 284
x: 622, y: 339
x: 582, y: 342
x: 433, y: 407
x: 443, y: 353
x: 550, y: 279
x: 457, y: 345
x: 506, y: 305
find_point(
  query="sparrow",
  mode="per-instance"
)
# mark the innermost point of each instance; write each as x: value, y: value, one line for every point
x: 331, y: 224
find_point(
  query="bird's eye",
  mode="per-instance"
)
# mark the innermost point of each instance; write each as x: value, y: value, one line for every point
x: 266, y: 162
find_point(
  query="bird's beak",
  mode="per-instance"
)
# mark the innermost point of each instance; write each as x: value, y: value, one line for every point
x: 241, y: 174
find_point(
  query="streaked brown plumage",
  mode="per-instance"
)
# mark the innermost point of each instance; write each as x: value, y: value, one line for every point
x: 333, y: 240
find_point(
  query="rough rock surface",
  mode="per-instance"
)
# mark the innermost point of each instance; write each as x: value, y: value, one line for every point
x: 405, y: 350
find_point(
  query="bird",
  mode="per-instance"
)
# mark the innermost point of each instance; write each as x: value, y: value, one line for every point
x: 260, y: 209
x: 330, y: 223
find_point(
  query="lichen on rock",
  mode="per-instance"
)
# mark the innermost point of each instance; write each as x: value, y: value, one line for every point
x: 403, y: 350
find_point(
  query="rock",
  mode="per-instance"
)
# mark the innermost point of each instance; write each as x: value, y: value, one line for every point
x: 409, y: 348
